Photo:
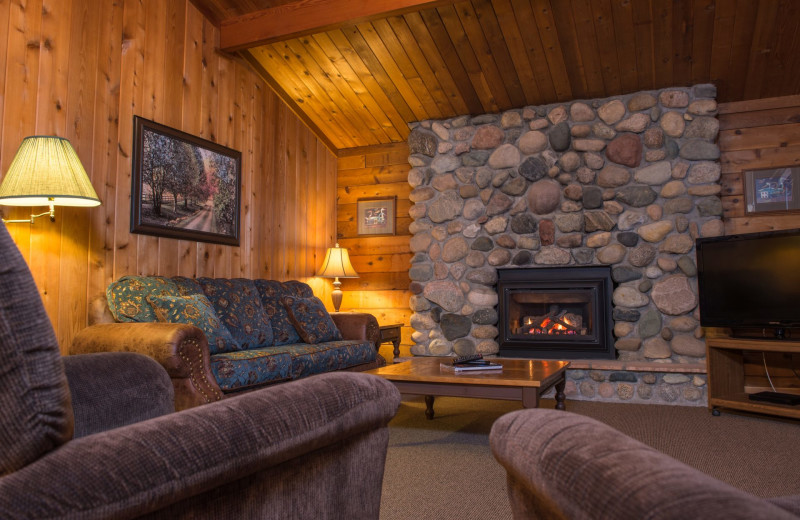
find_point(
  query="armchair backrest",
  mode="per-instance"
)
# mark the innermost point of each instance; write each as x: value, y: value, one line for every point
x: 35, y: 408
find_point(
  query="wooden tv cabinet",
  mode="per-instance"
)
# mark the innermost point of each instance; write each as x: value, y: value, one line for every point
x: 726, y: 377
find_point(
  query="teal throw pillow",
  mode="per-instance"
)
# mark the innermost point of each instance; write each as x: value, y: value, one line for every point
x: 127, y: 297
x: 311, y: 319
x: 195, y: 310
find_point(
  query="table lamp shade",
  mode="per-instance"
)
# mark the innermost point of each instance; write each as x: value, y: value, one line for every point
x: 337, y: 264
x: 46, y: 171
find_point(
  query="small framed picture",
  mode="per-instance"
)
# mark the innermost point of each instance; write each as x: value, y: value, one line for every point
x: 376, y: 216
x: 775, y: 189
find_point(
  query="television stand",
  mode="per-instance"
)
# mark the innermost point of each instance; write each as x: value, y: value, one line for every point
x: 726, y: 381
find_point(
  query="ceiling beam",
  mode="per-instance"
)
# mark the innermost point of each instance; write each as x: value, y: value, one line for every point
x: 303, y: 17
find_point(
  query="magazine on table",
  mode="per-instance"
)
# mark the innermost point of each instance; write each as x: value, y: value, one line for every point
x: 471, y: 365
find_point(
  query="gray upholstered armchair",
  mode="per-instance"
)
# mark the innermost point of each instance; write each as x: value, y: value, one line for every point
x: 562, y: 465
x: 314, y: 448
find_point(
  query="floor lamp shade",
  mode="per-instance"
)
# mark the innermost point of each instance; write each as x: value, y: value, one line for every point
x: 337, y: 265
x: 47, y: 172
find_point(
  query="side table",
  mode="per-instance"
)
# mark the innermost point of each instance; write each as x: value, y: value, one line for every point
x: 392, y: 333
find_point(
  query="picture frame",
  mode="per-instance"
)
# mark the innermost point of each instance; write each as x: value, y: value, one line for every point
x: 376, y: 216
x: 183, y: 186
x: 772, y: 190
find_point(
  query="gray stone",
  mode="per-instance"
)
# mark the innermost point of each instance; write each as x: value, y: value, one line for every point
x: 592, y: 197
x: 482, y: 244
x: 597, y: 220
x: 569, y: 241
x: 445, y: 294
x: 420, y: 272
x: 420, y: 242
x: 454, y: 249
x: 499, y: 257
x: 641, y: 101
x: 626, y: 315
x: 645, y: 285
x: 628, y: 344
x: 569, y: 222
x: 625, y: 377
x: 674, y: 295
x: 612, y: 254
x: 422, y: 194
x: 445, y: 163
x: 583, y: 255
x: 422, y: 321
x: 673, y: 189
x: 533, y: 169
x: 650, y: 324
x: 703, y: 127
x: 628, y: 238
x: 483, y: 176
x: 483, y: 276
x: 483, y: 297
x: 623, y: 274
x: 699, y: 150
x: 613, y: 176
x: 483, y: 119
x: 670, y: 147
x: 444, y: 182
x: 496, y: 225
x: 440, y: 130
x: 419, y: 160
x: 656, y: 348
x: 635, y: 123
x: 543, y: 196
x: 636, y: 196
x: 475, y: 158
x: 559, y: 137
x: 524, y: 223
x: 440, y: 347
x: 485, y: 317
x: 655, y: 174
x: 446, y: 207
x: 422, y: 142
x: 487, y: 347
x: 505, y: 241
x: 522, y: 258
x: 642, y: 255
x: 678, y: 205
x: 692, y: 394
x: 589, y: 145
x: 709, y: 207
x: 455, y: 326
x: 418, y: 303
x: 499, y: 203
x: 630, y: 219
x: 687, y: 265
x: 678, y: 244
x: 506, y: 156
x: 528, y: 243
x: 464, y: 347
x: 473, y: 209
x: 532, y: 142
x: 629, y: 297
x: 475, y: 259
x: 611, y: 112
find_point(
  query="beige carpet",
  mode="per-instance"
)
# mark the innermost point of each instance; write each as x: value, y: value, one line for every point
x: 443, y: 469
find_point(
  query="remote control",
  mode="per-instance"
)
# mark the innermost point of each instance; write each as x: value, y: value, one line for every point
x: 466, y: 359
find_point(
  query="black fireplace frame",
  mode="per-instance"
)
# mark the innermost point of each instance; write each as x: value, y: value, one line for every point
x: 596, y: 279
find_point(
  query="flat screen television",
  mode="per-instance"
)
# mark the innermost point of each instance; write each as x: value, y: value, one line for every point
x: 750, y: 283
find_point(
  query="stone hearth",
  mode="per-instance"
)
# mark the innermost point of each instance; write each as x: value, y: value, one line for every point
x: 628, y: 182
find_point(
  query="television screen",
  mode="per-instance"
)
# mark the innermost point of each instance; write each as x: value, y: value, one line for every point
x: 750, y: 280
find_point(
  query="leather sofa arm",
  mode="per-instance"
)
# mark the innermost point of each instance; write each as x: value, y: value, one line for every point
x: 358, y: 325
x: 181, y: 349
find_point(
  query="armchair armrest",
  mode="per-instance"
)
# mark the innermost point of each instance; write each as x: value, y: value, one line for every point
x: 181, y: 349
x: 564, y: 465
x: 358, y: 325
x: 114, y: 389
x: 313, y: 448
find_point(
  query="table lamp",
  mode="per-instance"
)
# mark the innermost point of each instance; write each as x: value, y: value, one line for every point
x: 337, y: 265
x: 46, y: 172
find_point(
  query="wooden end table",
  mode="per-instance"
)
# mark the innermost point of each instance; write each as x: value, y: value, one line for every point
x: 392, y: 333
x: 520, y: 380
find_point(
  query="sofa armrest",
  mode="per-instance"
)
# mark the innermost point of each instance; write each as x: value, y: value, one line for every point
x: 181, y: 349
x: 358, y: 325
x: 114, y: 389
x: 313, y: 448
x: 564, y: 465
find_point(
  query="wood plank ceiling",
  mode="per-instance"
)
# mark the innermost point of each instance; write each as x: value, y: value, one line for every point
x: 360, y: 84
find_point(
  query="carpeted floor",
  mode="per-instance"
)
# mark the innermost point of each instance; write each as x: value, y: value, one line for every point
x: 443, y: 469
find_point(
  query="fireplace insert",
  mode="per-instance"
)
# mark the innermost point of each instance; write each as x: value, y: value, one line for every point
x: 556, y: 312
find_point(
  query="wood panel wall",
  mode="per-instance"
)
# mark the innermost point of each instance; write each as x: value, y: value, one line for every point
x: 81, y: 69
x: 757, y: 134
x: 382, y: 262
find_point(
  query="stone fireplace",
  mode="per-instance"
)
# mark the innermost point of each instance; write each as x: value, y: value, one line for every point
x: 627, y: 183
x: 555, y: 313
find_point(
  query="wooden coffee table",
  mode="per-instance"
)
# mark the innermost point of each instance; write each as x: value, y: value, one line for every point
x: 520, y: 380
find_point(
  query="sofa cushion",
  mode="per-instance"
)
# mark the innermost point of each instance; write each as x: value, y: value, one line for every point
x: 35, y: 408
x: 127, y: 297
x: 195, y: 310
x: 271, y: 292
x: 251, y: 368
x: 187, y: 286
x: 325, y: 357
x: 311, y: 319
x: 238, y: 305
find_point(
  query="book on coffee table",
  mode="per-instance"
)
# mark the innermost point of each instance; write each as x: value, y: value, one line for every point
x: 464, y: 367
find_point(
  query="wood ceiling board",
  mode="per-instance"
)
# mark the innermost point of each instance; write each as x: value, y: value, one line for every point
x: 304, y: 17
x: 588, y: 48
x: 702, y: 34
x: 662, y: 42
x: 625, y: 39
x: 643, y: 31
x: 607, y: 45
x: 507, y: 22
x: 536, y: 23
x: 570, y: 48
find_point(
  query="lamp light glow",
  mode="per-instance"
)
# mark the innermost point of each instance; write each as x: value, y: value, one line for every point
x: 46, y: 172
x: 337, y: 265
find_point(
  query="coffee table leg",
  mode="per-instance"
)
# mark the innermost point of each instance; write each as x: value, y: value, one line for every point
x: 429, y: 407
x: 560, y: 395
x: 530, y: 397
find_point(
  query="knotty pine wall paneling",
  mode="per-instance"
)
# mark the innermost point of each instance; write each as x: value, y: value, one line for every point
x: 382, y: 262
x: 81, y: 69
x: 757, y: 134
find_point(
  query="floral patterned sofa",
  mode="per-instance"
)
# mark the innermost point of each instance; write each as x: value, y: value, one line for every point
x: 219, y: 337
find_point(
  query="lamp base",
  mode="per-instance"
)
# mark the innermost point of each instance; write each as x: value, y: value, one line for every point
x: 336, y: 295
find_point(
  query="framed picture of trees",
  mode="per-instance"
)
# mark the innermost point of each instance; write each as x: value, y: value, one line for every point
x: 183, y: 186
